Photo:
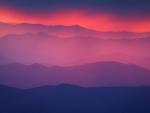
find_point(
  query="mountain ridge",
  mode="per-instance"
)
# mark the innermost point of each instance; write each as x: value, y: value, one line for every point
x: 93, y: 74
x: 71, y: 30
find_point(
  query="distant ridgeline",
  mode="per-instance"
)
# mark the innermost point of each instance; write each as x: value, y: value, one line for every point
x: 104, y: 74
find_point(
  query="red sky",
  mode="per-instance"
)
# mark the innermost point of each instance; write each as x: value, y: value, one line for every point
x: 101, y: 21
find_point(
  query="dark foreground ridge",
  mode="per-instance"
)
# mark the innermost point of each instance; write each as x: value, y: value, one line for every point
x: 74, y: 99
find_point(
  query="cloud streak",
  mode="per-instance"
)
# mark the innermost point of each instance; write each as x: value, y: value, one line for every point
x: 102, y: 15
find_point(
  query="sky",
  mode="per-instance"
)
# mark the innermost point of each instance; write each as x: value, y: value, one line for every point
x: 70, y: 43
x: 101, y: 15
x: 65, y: 32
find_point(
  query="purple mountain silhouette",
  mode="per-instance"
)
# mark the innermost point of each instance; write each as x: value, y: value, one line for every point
x: 5, y: 60
x: 28, y: 49
x: 94, y: 74
x: 65, y: 31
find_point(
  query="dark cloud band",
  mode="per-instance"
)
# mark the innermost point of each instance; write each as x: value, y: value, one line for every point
x: 131, y: 8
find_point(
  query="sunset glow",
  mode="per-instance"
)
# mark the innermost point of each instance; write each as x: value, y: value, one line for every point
x: 100, y: 22
x: 100, y: 38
